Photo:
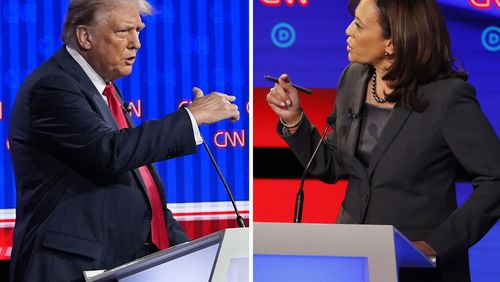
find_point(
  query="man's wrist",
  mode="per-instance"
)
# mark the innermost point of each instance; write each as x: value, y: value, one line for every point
x: 196, y: 131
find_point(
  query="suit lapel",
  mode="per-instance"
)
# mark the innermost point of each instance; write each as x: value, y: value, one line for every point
x: 359, y: 98
x: 71, y: 66
x: 104, y: 109
x: 391, y: 129
x: 131, y: 124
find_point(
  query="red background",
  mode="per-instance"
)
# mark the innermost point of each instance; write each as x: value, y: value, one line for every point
x: 274, y: 199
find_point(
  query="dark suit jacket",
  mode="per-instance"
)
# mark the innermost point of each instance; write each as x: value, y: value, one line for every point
x: 410, y: 181
x: 80, y: 202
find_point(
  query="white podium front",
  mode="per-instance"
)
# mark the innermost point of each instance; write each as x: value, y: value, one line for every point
x: 336, y: 252
x: 221, y: 257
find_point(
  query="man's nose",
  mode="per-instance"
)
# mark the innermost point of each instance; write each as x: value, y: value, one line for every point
x: 135, y: 42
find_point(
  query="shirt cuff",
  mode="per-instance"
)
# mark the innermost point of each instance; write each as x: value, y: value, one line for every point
x: 196, y: 131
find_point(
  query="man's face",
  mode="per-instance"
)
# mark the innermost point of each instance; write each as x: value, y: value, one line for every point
x: 115, y: 41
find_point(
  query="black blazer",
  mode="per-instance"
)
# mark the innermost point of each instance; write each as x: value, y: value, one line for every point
x: 81, y: 204
x: 410, y: 181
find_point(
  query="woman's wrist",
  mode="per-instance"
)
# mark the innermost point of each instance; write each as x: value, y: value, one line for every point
x: 293, y: 123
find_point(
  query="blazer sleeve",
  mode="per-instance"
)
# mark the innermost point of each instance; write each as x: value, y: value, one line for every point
x: 325, y: 165
x: 63, y: 122
x: 327, y: 162
x: 476, y: 147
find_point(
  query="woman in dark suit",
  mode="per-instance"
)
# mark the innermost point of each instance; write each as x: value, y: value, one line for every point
x: 406, y: 120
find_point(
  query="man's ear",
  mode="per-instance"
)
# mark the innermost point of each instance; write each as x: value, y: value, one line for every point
x: 83, y: 37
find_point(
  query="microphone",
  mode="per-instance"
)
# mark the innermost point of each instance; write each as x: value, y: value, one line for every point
x: 239, y: 218
x: 299, y: 200
x: 126, y: 108
x: 354, y: 115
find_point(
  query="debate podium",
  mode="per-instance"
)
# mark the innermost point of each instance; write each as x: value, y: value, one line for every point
x: 332, y: 252
x: 221, y: 257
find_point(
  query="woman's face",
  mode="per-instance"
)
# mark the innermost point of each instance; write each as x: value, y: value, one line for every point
x: 366, y: 44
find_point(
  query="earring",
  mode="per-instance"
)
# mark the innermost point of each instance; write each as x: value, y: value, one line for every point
x: 386, y: 54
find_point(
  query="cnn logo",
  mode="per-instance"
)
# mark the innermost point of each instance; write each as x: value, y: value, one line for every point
x: 134, y: 109
x: 289, y: 3
x: 484, y: 4
x: 224, y: 139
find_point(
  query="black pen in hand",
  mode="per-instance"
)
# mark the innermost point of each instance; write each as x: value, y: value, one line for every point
x: 299, y: 88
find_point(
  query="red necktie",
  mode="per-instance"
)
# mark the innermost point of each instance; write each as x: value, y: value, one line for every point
x: 159, y: 234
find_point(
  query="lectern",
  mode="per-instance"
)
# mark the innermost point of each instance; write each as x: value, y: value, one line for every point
x: 221, y: 256
x: 332, y: 252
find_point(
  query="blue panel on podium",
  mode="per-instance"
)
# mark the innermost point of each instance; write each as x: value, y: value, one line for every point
x: 292, y: 268
x: 407, y: 255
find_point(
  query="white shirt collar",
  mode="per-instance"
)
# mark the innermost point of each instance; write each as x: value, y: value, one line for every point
x: 96, y: 79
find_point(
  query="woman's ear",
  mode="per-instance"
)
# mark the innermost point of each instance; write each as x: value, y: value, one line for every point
x: 389, y: 47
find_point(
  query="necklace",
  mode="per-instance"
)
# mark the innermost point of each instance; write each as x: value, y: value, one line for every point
x: 374, y: 90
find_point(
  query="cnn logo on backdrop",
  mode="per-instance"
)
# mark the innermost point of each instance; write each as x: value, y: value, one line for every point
x: 226, y: 138
x: 289, y: 3
x: 484, y: 4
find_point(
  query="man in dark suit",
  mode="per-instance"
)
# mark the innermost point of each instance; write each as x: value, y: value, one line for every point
x: 87, y: 196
